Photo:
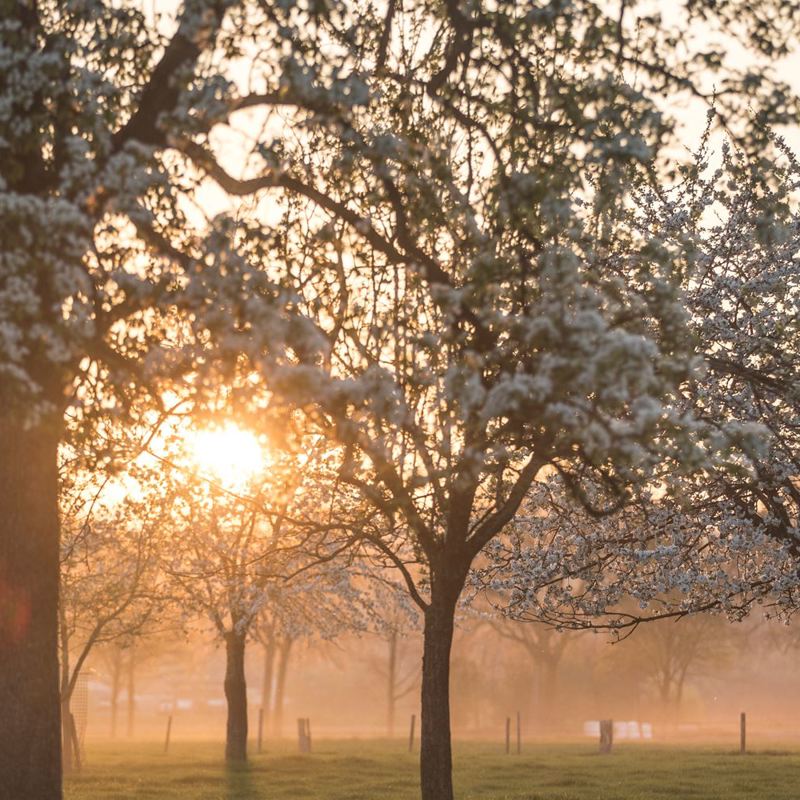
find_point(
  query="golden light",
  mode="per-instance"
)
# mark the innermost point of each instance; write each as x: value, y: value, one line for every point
x: 229, y: 454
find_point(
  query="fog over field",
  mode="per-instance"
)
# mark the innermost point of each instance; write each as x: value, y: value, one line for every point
x: 689, y: 680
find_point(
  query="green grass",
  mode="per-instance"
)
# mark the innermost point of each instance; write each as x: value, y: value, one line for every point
x: 362, y: 770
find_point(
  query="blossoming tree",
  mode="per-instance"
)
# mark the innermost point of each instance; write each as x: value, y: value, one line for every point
x: 239, y: 556
x: 110, y: 588
x: 492, y: 312
x: 725, y: 537
x: 442, y: 172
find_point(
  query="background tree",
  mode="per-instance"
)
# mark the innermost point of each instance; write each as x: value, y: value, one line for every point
x: 118, y: 659
x: 319, y: 604
x: 110, y: 583
x: 745, y: 304
x: 670, y: 652
x: 240, y: 554
x: 219, y: 568
x: 395, y: 621
x: 724, y: 537
x: 544, y: 648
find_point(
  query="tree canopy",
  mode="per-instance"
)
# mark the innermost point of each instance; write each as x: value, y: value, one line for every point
x: 401, y: 226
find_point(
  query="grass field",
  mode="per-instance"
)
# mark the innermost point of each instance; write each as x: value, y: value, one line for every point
x: 359, y: 770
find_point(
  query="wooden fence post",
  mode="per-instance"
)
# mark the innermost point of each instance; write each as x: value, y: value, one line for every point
x: 260, y: 728
x: 606, y: 735
x: 169, y: 731
x: 308, y: 734
x: 519, y: 733
x: 411, y: 735
x: 508, y: 735
x: 743, y: 733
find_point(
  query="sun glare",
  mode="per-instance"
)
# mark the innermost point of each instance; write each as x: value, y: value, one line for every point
x: 231, y: 455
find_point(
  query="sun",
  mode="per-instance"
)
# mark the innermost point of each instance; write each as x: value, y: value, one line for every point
x: 233, y: 456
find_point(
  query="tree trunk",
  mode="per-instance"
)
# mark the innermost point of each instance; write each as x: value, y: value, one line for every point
x: 30, y: 735
x: 391, y: 689
x: 131, y: 690
x: 665, y: 689
x: 284, y: 652
x: 116, y: 675
x: 65, y: 693
x: 549, y: 695
x: 436, y: 761
x: 236, y: 695
x: 680, y: 682
x: 67, y: 753
x: 266, y: 681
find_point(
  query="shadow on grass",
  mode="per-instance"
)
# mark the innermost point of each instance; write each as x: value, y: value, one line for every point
x: 239, y: 783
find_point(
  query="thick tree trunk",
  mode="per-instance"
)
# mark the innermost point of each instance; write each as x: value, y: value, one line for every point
x: 236, y: 695
x: 391, y: 689
x: 436, y: 761
x: 284, y: 652
x: 30, y: 735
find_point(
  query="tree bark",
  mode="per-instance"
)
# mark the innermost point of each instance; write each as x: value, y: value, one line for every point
x: 436, y: 760
x: 236, y: 695
x: 30, y: 735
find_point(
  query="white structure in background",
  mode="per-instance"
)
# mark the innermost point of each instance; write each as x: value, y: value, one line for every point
x: 622, y: 730
x: 627, y: 730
